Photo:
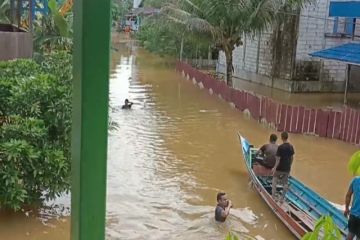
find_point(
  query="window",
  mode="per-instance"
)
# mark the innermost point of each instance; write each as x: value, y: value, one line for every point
x: 344, y: 26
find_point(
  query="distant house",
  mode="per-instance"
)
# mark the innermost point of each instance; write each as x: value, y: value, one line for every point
x: 280, y: 58
x: 133, y: 19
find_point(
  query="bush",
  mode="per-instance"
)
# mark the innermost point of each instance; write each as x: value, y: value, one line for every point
x: 35, y: 127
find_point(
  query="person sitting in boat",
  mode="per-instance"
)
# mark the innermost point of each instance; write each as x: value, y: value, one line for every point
x: 222, y: 209
x: 266, y: 155
x: 354, y: 218
x: 127, y: 104
x: 281, y: 170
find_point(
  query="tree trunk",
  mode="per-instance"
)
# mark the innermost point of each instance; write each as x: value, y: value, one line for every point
x: 229, y: 67
x: 181, y: 48
x: 209, y: 56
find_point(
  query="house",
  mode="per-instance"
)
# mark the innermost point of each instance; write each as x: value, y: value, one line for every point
x: 279, y: 57
x: 133, y: 19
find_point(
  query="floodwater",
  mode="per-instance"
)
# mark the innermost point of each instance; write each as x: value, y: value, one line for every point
x: 171, y: 154
x: 320, y: 100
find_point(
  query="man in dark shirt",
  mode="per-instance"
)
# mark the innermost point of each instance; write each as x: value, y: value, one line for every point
x: 222, y: 209
x: 266, y: 155
x: 281, y: 170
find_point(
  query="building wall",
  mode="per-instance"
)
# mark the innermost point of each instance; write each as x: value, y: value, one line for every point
x: 266, y: 58
x: 136, y: 3
x: 261, y: 61
x: 316, y: 32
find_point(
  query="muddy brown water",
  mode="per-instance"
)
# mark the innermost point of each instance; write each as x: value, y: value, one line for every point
x: 171, y: 154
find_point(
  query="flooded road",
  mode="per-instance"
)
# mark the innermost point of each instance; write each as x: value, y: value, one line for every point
x: 171, y: 154
x: 177, y: 147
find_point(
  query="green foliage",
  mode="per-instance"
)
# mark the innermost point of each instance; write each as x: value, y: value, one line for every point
x: 325, y: 229
x: 154, y: 3
x: 226, y: 22
x: 5, y: 11
x: 35, y: 126
x: 231, y: 236
x: 115, y: 12
x: 165, y: 40
x: 53, y: 32
x: 119, y: 8
x: 60, y: 22
x: 354, y: 164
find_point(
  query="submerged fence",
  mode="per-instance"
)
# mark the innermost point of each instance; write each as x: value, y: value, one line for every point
x: 338, y: 124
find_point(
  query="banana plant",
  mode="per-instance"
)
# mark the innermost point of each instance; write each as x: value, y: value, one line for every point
x: 231, y: 236
x: 354, y: 164
x: 324, y: 229
x: 59, y: 20
x: 53, y: 31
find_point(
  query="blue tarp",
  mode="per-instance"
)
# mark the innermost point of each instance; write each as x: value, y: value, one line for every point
x: 349, y: 53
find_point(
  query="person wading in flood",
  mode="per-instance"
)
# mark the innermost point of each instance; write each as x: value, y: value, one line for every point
x: 127, y: 104
x: 281, y: 170
x: 354, y: 219
x: 222, y: 209
x: 266, y: 155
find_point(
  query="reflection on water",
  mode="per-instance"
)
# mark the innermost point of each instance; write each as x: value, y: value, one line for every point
x: 172, y: 152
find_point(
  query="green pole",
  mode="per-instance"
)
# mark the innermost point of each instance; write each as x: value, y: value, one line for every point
x: 90, y: 118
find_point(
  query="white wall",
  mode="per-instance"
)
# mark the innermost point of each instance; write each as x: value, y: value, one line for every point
x: 136, y: 3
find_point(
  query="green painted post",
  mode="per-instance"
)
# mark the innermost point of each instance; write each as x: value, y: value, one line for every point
x: 90, y: 118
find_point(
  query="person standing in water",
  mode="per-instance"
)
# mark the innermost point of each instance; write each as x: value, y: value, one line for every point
x: 222, y: 209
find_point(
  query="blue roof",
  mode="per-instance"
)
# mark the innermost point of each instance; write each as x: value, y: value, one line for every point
x: 349, y: 53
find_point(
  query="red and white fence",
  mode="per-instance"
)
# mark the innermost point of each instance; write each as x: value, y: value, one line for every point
x: 341, y: 124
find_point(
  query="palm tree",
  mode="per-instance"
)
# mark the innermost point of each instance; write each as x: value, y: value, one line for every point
x: 227, y: 21
x: 4, y: 11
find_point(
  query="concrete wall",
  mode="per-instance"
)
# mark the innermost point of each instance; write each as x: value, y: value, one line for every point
x: 280, y: 58
x: 316, y: 33
x: 14, y: 44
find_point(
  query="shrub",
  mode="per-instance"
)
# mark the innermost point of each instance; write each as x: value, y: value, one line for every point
x: 35, y: 128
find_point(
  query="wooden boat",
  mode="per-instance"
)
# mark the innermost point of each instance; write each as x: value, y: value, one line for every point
x: 301, y: 208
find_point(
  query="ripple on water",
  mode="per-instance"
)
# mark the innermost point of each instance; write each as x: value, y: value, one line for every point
x: 148, y: 184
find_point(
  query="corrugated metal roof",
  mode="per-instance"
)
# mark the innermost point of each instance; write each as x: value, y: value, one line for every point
x: 349, y: 53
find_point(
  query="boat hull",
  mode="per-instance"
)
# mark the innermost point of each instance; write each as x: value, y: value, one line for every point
x: 302, y: 206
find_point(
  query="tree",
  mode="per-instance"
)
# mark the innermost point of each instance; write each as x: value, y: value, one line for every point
x: 228, y: 20
x: 4, y: 11
x: 35, y: 127
x: 164, y: 39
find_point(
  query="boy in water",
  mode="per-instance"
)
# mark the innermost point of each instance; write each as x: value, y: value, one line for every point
x: 127, y: 104
x: 222, y: 209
